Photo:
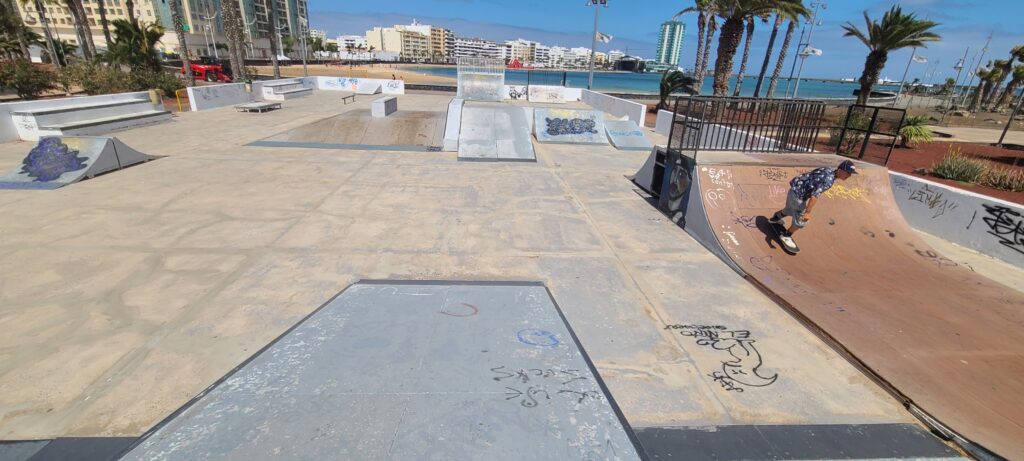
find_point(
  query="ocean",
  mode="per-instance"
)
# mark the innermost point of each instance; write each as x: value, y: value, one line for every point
x: 629, y: 82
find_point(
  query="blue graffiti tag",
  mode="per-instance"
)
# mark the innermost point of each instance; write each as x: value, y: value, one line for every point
x: 539, y: 338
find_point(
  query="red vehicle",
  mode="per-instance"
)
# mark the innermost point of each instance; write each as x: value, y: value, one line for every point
x: 209, y: 69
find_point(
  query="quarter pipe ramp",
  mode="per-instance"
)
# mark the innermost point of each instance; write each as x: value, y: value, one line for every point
x: 947, y: 341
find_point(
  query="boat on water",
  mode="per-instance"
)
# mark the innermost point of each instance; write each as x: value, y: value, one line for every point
x: 887, y: 81
x: 847, y: 80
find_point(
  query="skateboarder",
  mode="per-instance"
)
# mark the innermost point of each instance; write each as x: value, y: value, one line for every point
x: 803, y: 195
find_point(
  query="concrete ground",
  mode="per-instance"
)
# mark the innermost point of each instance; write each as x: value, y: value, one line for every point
x: 982, y: 135
x: 123, y: 296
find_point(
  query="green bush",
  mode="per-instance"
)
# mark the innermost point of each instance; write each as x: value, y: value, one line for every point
x: 856, y: 121
x: 28, y: 80
x: 914, y: 131
x: 97, y: 78
x: 1004, y: 179
x: 959, y: 167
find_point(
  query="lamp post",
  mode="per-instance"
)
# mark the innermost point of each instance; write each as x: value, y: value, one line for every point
x: 804, y: 54
x: 248, y: 35
x: 207, y: 27
x: 816, y: 6
x: 593, y: 39
x: 974, y: 67
x: 302, y: 33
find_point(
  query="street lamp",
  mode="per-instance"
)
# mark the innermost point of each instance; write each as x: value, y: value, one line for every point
x: 248, y: 35
x: 593, y: 43
x: 303, y: 27
x: 206, y: 27
x: 816, y: 6
x: 807, y: 51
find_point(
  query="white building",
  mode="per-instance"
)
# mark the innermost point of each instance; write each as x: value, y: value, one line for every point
x: 467, y: 47
x: 556, y: 56
x: 615, y: 55
x: 346, y: 42
x: 541, y: 56
x: 318, y: 33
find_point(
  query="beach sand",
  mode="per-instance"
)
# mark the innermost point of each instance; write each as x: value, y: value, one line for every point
x: 375, y: 71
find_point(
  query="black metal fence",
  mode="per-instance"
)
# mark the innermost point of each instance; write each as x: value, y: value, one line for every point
x: 745, y: 124
x: 868, y: 133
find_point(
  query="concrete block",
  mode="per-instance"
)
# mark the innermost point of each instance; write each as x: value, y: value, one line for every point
x: 382, y: 107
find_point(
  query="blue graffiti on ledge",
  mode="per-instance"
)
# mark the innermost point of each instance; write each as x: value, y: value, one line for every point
x: 564, y: 126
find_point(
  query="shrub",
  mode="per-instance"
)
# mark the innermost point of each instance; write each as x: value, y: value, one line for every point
x: 959, y: 167
x: 856, y: 121
x: 1003, y: 178
x: 96, y: 78
x: 27, y: 80
x: 914, y: 132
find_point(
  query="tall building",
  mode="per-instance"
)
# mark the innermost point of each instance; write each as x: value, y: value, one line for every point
x: 476, y: 47
x: 670, y: 43
x: 201, y: 19
x: 413, y: 40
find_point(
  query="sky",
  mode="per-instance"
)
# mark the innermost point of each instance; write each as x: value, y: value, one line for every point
x: 634, y: 24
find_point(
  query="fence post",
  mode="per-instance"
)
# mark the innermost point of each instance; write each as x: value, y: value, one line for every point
x: 903, y: 117
x: 867, y: 136
x: 1009, y: 122
x: 842, y: 133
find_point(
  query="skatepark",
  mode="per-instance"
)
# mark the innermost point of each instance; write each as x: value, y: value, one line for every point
x: 315, y: 282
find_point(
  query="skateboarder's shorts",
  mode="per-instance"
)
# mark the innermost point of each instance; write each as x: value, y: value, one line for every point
x: 795, y: 207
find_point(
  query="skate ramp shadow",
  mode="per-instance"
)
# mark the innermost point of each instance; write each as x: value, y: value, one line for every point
x: 769, y: 235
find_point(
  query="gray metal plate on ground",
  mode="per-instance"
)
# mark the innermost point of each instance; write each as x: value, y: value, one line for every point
x: 495, y: 132
x: 427, y: 370
x: 626, y: 135
x: 570, y: 126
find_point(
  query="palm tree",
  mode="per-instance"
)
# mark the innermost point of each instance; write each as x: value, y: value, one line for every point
x: 82, y: 31
x: 985, y: 78
x: 701, y: 8
x: 130, y: 6
x: 791, y: 10
x: 51, y: 44
x: 734, y: 12
x: 673, y: 82
x: 233, y: 34
x: 703, y: 71
x: 746, y: 49
x: 101, y: 8
x: 1006, y: 66
x: 179, y: 30
x: 1011, y: 88
x: 271, y: 6
x: 895, y: 31
x: 134, y: 44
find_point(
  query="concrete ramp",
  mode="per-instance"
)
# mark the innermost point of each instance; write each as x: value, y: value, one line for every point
x: 57, y: 161
x: 495, y: 132
x: 626, y: 135
x: 949, y: 342
x: 408, y: 371
x: 569, y: 126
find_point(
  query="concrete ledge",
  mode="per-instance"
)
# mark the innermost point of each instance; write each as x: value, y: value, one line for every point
x: 985, y: 224
x: 382, y: 107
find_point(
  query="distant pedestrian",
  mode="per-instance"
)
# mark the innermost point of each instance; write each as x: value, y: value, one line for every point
x: 803, y: 195
x: 393, y: 77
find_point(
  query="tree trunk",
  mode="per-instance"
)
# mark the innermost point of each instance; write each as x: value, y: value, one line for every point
x: 130, y: 5
x: 86, y: 30
x: 977, y: 96
x: 186, y: 63
x: 712, y: 27
x: 701, y: 28
x: 728, y: 42
x: 229, y: 8
x: 746, y: 56
x: 767, y: 56
x: 81, y: 27
x: 274, y: 51
x: 103, y: 21
x: 1011, y: 89
x: 1006, y: 70
x: 241, y: 73
x: 57, y: 60
x: 873, y: 66
x: 774, y: 83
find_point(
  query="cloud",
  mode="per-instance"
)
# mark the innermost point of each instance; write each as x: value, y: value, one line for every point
x: 358, y: 23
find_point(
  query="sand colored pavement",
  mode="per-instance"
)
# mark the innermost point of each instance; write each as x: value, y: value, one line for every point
x: 123, y: 296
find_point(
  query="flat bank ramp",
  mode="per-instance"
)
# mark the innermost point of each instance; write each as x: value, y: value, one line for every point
x: 57, y: 161
x: 495, y: 132
x: 950, y: 341
x: 408, y: 371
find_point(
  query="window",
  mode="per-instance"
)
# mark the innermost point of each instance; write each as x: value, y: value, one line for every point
x: 92, y: 22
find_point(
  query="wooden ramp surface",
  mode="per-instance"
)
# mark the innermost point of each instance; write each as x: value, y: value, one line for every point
x: 949, y: 340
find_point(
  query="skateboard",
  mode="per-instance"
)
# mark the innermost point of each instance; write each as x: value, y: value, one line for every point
x: 787, y: 242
